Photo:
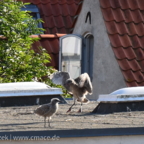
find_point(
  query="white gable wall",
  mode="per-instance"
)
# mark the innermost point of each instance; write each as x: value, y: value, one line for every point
x: 107, y: 76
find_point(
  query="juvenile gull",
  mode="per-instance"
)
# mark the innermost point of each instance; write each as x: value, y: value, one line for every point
x: 48, y: 110
x: 79, y: 87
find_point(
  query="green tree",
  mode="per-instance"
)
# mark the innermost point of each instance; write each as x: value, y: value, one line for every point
x: 18, y: 62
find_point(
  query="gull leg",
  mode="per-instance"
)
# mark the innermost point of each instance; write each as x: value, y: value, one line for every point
x: 44, y: 121
x: 80, y: 110
x: 71, y: 106
x: 49, y: 122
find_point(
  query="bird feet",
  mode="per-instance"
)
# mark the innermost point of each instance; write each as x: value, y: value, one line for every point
x: 69, y: 110
x: 80, y: 110
x: 48, y: 126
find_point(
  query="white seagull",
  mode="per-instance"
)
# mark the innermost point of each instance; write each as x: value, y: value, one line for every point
x: 79, y: 87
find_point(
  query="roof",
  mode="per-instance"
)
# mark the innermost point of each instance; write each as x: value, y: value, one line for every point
x: 72, y: 133
x: 51, y: 43
x: 124, y: 21
x: 59, y: 18
x: 22, y: 119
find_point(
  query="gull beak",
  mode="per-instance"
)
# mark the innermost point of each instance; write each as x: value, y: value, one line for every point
x: 60, y: 101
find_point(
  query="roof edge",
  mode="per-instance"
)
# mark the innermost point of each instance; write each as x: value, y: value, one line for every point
x: 78, y: 132
x: 57, y: 35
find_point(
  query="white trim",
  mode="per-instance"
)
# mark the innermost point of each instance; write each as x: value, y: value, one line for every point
x: 129, y: 91
x: 87, y: 34
x: 121, y: 98
x: 27, y: 89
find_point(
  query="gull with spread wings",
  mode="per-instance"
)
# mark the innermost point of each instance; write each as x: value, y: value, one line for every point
x: 79, y: 87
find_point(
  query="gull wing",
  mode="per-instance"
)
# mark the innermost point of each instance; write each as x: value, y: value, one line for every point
x: 59, y: 77
x: 41, y: 110
x: 84, y: 81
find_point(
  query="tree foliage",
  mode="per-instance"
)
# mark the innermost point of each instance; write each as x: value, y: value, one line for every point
x: 18, y: 62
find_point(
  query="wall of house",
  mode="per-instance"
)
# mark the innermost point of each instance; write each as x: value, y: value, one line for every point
x: 107, y: 76
x: 87, y: 140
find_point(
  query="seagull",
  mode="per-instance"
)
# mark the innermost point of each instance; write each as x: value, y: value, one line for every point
x: 79, y: 87
x: 48, y: 110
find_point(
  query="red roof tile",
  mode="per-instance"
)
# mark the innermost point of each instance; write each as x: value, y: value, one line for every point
x: 132, y: 84
x: 122, y: 53
x: 124, y: 21
x: 131, y: 76
x: 141, y: 63
x: 58, y: 15
x: 119, y: 15
x: 123, y: 4
x: 125, y: 28
x: 59, y: 18
x: 140, y: 54
x: 47, y: 36
x: 54, y: 60
x: 129, y: 65
x: 51, y: 43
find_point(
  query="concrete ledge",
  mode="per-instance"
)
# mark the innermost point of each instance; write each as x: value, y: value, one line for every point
x: 120, y: 102
x: 77, y: 133
x: 27, y: 89
x: 120, y: 98
x: 28, y: 94
x: 106, y: 108
x: 28, y: 100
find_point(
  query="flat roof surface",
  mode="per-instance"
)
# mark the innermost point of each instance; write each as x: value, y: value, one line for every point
x: 23, y: 119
